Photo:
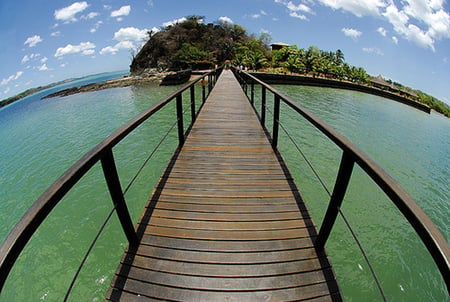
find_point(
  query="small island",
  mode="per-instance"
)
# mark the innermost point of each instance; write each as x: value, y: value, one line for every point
x: 195, y: 45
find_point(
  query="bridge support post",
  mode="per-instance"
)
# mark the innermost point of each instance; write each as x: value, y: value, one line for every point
x: 276, y: 121
x: 263, y: 106
x: 252, y: 93
x: 180, y: 120
x: 340, y: 187
x: 115, y: 190
x: 192, y: 104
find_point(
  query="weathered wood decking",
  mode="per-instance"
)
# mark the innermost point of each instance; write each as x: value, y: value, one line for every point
x: 225, y: 223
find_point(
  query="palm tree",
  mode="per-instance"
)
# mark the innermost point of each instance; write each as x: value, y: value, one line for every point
x: 255, y: 60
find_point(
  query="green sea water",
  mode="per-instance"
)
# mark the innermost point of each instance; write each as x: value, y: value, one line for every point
x: 40, y: 139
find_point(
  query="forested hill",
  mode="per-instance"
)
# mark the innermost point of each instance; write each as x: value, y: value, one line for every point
x: 194, y: 44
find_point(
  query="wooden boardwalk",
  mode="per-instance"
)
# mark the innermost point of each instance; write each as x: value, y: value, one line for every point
x: 225, y: 223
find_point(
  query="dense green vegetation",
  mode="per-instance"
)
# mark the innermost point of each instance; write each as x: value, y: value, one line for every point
x: 196, y: 45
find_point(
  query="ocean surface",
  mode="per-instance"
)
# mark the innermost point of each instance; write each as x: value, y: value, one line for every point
x: 40, y: 139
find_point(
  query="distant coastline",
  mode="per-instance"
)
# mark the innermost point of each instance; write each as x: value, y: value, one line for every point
x: 274, y: 78
x: 122, y: 82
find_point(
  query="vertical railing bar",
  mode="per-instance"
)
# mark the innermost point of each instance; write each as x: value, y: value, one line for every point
x: 202, y: 82
x: 179, y: 102
x: 252, y: 92
x: 340, y: 187
x: 115, y: 190
x: 263, y: 105
x: 192, y: 104
x: 276, y: 121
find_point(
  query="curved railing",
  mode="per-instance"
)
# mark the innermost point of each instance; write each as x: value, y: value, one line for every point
x: 15, y: 242
x: 422, y: 224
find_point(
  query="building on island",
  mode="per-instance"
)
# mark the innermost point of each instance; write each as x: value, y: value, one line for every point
x: 278, y: 45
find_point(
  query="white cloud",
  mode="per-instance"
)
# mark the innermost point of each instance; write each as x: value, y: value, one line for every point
x: 382, y: 31
x: 67, y: 14
x: 32, y: 41
x: 225, y: 20
x: 27, y: 58
x: 357, y: 7
x: 255, y: 16
x: 373, y: 50
x: 11, y: 78
x: 91, y: 15
x: 298, y: 16
x: 352, y: 33
x: 301, y: 7
x: 55, y: 33
x: 43, y: 67
x: 96, y: 26
x: 123, y: 11
x: 130, y: 34
x: 126, y: 37
x: 86, y: 48
x: 44, y: 59
x: 395, y: 40
x: 429, y: 14
x: 295, y: 9
x: 173, y: 22
x: 109, y: 50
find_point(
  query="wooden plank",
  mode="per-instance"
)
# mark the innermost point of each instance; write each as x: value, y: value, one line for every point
x: 225, y: 223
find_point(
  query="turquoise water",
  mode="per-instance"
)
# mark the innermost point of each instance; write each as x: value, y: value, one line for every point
x: 40, y: 139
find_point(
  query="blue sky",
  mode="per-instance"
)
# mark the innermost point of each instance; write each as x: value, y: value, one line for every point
x: 44, y: 41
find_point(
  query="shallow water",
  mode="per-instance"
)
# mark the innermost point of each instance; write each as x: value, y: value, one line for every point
x: 42, y: 138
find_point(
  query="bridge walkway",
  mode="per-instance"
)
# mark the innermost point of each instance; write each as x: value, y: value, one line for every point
x: 225, y: 222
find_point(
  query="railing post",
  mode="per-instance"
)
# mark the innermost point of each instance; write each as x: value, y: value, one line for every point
x: 180, y: 119
x: 252, y: 93
x: 115, y: 190
x: 192, y: 104
x: 276, y: 121
x: 263, y: 105
x: 203, y: 90
x: 209, y: 83
x: 340, y: 187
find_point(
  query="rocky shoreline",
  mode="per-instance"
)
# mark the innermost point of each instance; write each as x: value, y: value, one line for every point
x: 149, y: 76
x: 123, y: 82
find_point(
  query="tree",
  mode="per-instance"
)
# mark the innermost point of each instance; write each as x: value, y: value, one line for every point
x: 255, y: 60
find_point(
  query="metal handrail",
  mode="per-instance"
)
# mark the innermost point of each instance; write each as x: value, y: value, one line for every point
x: 429, y: 234
x: 22, y: 232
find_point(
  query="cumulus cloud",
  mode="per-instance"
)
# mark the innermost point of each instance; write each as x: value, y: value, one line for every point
x: 27, y: 58
x: 382, y: 31
x: 43, y: 67
x: 373, y: 50
x: 96, y: 26
x: 67, y: 14
x: 127, y: 38
x: 173, y: 22
x: 359, y: 8
x: 395, y: 40
x: 33, y: 41
x: 296, y: 11
x: 91, y: 15
x: 436, y: 20
x: 225, y: 20
x: 351, y: 32
x: 85, y: 48
x: 130, y: 34
x: 121, y: 12
x: 11, y: 78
